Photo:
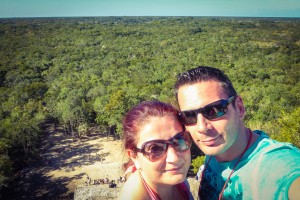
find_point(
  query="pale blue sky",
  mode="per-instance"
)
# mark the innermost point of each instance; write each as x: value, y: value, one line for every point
x: 69, y: 8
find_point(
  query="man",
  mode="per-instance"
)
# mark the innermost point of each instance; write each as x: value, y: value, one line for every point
x: 240, y: 163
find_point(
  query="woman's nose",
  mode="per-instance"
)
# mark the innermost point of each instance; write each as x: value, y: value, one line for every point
x: 172, y: 154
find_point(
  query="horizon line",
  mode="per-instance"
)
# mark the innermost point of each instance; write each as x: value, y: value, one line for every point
x: 151, y: 16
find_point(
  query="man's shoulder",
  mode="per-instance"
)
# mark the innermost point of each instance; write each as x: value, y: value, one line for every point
x: 268, y: 151
x: 266, y: 144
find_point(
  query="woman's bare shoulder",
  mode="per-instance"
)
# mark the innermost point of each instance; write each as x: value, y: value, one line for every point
x: 133, y: 188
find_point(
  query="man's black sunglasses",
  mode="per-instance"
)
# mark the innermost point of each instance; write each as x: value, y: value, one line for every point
x: 211, y: 111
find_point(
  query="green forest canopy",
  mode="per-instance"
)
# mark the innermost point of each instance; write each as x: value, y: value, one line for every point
x: 79, y: 71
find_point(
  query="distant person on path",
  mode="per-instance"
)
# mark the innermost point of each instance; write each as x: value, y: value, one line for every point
x: 240, y: 163
x: 159, y: 148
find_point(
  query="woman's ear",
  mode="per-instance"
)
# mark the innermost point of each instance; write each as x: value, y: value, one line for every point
x: 239, y: 105
x: 133, y: 156
x: 130, y: 153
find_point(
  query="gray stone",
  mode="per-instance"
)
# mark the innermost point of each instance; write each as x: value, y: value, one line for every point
x: 103, y: 192
x: 93, y: 192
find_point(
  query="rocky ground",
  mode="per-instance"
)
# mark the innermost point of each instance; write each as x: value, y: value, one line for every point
x: 66, y: 163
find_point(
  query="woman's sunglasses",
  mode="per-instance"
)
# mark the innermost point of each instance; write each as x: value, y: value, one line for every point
x: 156, y: 149
x: 211, y: 111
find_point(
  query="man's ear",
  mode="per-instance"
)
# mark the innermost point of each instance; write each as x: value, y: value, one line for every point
x: 239, y: 105
x: 133, y: 156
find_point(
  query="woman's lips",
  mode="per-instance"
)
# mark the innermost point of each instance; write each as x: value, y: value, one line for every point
x: 211, y: 142
x: 175, y: 169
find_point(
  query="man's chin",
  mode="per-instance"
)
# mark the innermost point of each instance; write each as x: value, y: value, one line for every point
x: 212, y: 150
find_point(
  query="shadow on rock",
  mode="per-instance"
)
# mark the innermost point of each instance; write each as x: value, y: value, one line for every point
x: 58, y: 152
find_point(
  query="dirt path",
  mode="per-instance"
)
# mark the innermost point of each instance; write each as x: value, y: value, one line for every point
x: 65, y: 163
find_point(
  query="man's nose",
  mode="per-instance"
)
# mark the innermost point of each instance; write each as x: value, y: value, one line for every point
x: 203, y: 124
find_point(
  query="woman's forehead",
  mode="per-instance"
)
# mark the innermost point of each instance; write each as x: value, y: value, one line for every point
x: 159, y: 128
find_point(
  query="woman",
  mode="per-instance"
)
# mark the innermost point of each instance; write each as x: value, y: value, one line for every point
x: 159, y: 149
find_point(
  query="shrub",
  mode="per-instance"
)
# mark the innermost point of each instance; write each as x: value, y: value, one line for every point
x: 197, y: 162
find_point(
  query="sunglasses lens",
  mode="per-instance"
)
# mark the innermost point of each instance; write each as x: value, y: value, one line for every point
x: 155, y: 150
x: 188, y: 117
x: 215, y: 111
x: 182, y: 141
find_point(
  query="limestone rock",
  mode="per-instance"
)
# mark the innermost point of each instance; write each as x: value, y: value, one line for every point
x: 103, y: 192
